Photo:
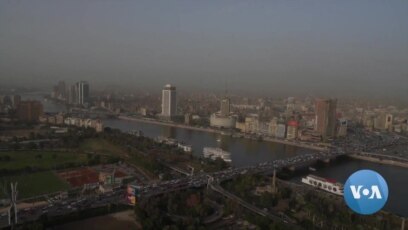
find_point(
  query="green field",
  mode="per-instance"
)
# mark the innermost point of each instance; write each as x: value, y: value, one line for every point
x: 101, y: 146
x: 39, y: 159
x: 34, y: 184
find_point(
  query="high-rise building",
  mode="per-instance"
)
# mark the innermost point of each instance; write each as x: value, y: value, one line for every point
x: 225, y: 107
x: 83, y: 92
x: 326, y: 117
x: 272, y: 126
x: 342, y: 128
x: 29, y: 111
x: 169, y: 101
x: 16, y: 99
x: 290, y: 105
x: 72, y: 95
x: 59, y: 91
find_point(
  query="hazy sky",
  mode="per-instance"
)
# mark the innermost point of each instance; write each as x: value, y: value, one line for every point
x: 344, y: 47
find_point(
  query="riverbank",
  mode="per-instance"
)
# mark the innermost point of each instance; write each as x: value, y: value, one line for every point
x: 381, y: 159
x: 210, y: 130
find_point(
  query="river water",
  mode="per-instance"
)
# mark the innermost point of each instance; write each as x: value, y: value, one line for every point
x: 247, y: 152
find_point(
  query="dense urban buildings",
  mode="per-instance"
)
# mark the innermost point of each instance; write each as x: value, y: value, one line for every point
x: 76, y: 94
x: 114, y: 115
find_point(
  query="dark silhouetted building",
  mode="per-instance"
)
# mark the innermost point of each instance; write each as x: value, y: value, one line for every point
x: 29, y: 111
x: 326, y: 117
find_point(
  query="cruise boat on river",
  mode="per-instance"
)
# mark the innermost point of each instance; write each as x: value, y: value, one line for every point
x: 325, y: 184
x: 214, y: 153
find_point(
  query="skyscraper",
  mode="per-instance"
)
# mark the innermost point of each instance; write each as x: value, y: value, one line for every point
x: 225, y: 107
x: 169, y: 101
x: 83, y: 92
x: 73, y: 94
x: 326, y: 117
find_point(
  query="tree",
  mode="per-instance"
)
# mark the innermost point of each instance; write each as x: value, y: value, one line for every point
x: 32, y: 145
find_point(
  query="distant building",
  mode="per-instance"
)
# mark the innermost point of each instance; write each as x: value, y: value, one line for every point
x: 225, y: 107
x: 272, y: 126
x: 59, y: 91
x: 292, y: 130
x: 326, y: 117
x: 342, y: 128
x: 83, y: 93
x: 280, y: 131
x: 73, y: 95
x: 368, y: 119
x: 252, y: 123
x: 188, y: 118
x: 216, y: 120
x: 16, y: 99
x: 263, y: 128
x: 240, y: 126
x: 29, y: 111
x: 290, y: 106
x: 169, y: 101
x: 383, y: 122
x: 143, y: 111
x: 59, y: 119
x: 223, y: 118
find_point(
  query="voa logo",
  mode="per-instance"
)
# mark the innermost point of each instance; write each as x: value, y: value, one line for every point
x: 375, y: 192
x: 366, y: 192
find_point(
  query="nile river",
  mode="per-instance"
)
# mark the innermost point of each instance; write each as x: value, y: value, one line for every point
x: 247, y: 152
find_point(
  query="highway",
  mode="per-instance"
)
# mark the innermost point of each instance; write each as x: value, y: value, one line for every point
x: 201, y: 179
x: 66, y: 206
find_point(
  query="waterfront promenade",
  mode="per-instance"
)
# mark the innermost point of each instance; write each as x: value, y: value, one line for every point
x: 381, y: 159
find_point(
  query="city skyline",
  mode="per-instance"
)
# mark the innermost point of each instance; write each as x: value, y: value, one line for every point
x: 311, y: 49
x: 203, y: 114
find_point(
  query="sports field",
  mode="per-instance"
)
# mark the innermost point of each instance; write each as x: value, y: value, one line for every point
x: 101, y: 146
x: 39, y: 159
x: 34, y: 184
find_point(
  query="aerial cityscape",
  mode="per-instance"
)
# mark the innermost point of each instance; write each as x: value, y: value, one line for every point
x: 205, y: 115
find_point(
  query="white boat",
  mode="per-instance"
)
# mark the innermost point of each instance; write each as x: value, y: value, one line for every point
x: 185, y: 148
x: 312, y: 169
x: 214, y: 153
x: 328, y: 185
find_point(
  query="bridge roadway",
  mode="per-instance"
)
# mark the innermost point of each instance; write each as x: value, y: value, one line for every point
x: 177, y: 169
x: 201, y: 179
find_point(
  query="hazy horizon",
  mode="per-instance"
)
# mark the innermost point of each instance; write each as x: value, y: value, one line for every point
x: 349, y: 48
